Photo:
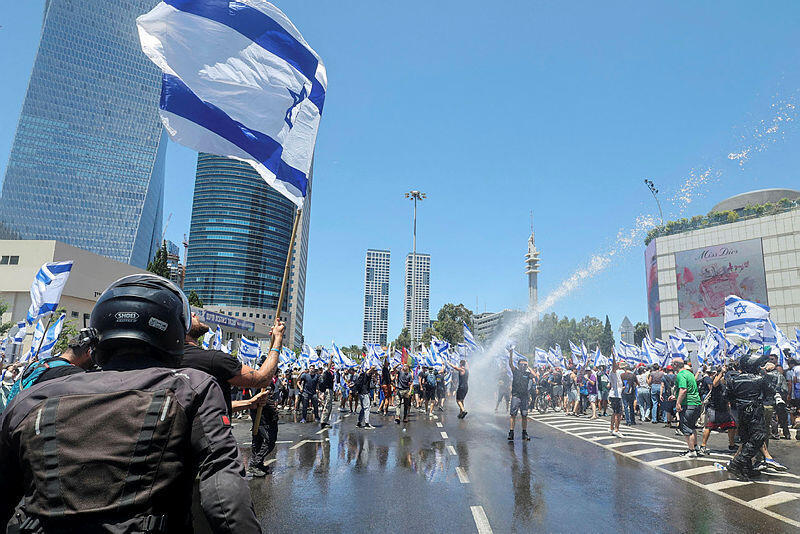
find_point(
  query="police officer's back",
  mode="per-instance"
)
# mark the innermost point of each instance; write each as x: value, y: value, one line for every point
x: 118, y: 450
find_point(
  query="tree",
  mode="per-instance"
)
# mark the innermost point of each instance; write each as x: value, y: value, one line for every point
x: 640, y: 331
x: 4, y: 327
x: 68, y: 331
x: 403, y: 340
x: 353, y: 351
x: 194, y: 299
x: 159, y: 264
x: 448, y: 325
x: 427, y: 335
x: 606, y: 341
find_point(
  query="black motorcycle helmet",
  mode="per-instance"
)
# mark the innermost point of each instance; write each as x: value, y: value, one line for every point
x: 142, y: 308
x: 752, y: 363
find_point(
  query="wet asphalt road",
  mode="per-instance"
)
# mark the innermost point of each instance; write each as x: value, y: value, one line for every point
x: 464, y: 476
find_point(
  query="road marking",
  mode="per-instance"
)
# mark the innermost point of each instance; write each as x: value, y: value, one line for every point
x: 481, y: 521
x: 247, y: 443
x: 299, y: 444
x: 674, y: 446
x: 462, y: 475
x: 774, y: 499
x: 717, y: 488
x: 650, y: 451
x: 278, y: 442
x: 444, y: 434
x: 695, y: 471
x: 451, y: 450
x: 440, y: 425
x: 725, y: 484
x: 322, y: 430
x: 269, y: 462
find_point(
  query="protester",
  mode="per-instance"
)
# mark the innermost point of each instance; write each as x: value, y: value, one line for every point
x: 309, y: 382
x: 503, y: 389
x: 615, y: 396
x: 656, y: 381
x: 521, y: 378
x: 628, y: 395
x: 667, y: 399
x: 141, y: 321
x: 363, y: 388
x: 326, y: 388
x: 718, y: 415
x: 687, y: 405
x: 643, y: 392
x: 463, y: 386
x: 404, y: 380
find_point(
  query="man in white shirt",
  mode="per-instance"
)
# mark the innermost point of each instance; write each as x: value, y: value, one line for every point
x: 615, y: 395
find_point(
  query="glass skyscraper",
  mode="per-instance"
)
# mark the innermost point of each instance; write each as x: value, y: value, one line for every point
x: 238, y: 241
x: 87, y: 163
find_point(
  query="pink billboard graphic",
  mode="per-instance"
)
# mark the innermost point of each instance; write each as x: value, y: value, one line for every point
x: 653, y: 302
x: 705, y: 276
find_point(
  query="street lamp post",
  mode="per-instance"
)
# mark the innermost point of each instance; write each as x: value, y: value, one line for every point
x: 651, y: 186
x: 415, y: 196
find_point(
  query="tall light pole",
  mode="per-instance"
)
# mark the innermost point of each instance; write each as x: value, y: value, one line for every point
x: 415, y: 196
x: 652, y: 187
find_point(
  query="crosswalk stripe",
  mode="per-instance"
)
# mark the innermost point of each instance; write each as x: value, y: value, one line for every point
x: 481, y: 521
x: 653, y: 442
x: 774, y: 499
x: 462, y: 475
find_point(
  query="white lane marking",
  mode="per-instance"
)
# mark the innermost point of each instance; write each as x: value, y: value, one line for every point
x: 695, y: 471
x: 656, y: 464
x: 270, y: 461
x: 287, y: 441
x: 440, y: 425
x: 481, y: 521
x: 451, y: 450
x: 247, y: 443
x: 649, y: 451
x: 299, y: 444
x: 322, y: 430
x: 774, y: 499
x: 444, y: 434
x: 725, y: 484
x: 462, y: 475
x: 674, y: 460
x: 676, y: 446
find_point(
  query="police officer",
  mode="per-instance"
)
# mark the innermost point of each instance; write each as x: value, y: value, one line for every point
x: 118, y: 450
x: 746, y: 392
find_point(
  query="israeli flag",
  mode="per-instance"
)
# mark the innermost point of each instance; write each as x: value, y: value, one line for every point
x: 677, y: 347
x: 629, y: 352
x: 469, y: 339
x: 47, y: 288
x: 577, y: 353
x: 227, y: 348
x: 285, y: 358
x: 713, y: 348
x: 45, y: 341
x: 648, y: 352
x: 685, y: 335
x: 743, y: 316
x: 217, y: 343
x: 249, y: 352
x: 797, y: 334
x: 599, y: 359
x: 539, y: 356
x: 238, y: 81
x: 20, y: 333
x: 397, y: 358
x: 207, y: 338
x: 325, y: 356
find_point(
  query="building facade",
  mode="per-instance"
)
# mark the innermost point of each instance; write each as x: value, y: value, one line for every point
x: 87, y: 163
x: 627, y: 331
x: 755, y: 256
x: 238, y: 242
x: 490, y: 324
x: 176, y: 268
x: 418, y: 293
x: 376, y: 297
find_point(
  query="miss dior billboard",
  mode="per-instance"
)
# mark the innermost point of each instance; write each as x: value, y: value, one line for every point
x: 707, y: 275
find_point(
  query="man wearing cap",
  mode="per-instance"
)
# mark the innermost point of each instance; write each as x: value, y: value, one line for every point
x: 521, y: 378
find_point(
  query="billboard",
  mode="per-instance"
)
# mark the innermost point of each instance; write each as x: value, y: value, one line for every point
x: 653, y: 303
x: 705, y: 276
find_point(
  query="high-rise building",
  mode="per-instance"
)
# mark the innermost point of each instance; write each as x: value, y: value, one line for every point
x: 87, y: 163
x: 238, y: 241
x: 418, y: 293
x: 376, y: 296
x: 177, y: 271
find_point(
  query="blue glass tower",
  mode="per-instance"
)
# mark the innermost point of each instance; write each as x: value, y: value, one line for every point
x: 238, y: 241
x: 87, y: 163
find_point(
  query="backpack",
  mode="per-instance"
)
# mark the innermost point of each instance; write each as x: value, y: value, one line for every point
x: 627, y: 388
x: 31, y: 375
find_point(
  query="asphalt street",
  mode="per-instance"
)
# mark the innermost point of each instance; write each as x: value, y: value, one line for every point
x: 452, y: 475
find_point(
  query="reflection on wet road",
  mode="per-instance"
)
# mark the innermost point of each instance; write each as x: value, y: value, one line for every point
x: 402, y: 477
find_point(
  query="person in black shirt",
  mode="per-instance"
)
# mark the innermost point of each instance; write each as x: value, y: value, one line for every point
x: 308, y: 387
x: 404, y: 380
x: 463, y: 386
x: 521, y: 378
x: 326, y: 388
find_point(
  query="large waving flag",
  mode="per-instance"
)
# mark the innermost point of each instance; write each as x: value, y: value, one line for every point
x: 216, y: 343
x: 713, y: 348
x: 744, y: 317
x: 207, y: 339
x: 238, y: 81
x: 539, y: 356
x: 599, y: 359
x: 249, y: 352
x: 20, y: 333
x: 677, y: 347
x: 577, y: 353
x: 629, y: 352
x: 48, y: 284
x: 685, y: 335
x: 469, y: 339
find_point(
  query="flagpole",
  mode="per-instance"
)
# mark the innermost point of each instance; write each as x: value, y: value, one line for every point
x: 44, y: 334
x: 281, y: 297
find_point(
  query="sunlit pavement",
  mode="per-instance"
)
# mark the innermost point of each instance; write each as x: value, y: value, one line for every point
x: 451, y: 475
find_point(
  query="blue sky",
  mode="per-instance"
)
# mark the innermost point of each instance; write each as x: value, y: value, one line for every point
x: 498, y: 109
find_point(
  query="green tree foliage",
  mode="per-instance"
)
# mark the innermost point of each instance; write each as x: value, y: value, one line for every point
x: 552, y: 330
x: 606, y: 340
x: 4, y: 327
x: 427, y: 335
x: 68, y: 331
x: 403, y: 340
x: 639, y: 332
x: 448, y: 324
x: 159, y: 264
x: 194, y: 299
x: 353, y: 351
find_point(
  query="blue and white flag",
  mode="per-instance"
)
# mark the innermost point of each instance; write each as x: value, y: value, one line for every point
x: 217, y: 343
x: 630, y: 353
x: 397, y: 357
x: 685, y: 335
x: 539, y: 357
x: 207, y: 339
x: 341, y: 360
x: 43, y: 342
x: 325, y: 356
x: 677, y: 348
x: 577, y: 353
x: 743, y: 316
x: 238, y: 81
x: 469, y: 339
x: 46, y: 289
x: 19, y: 335
x: 714, y: 346
x: 599, y: 359
x: 313, y: 358
x: 249, y: 352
